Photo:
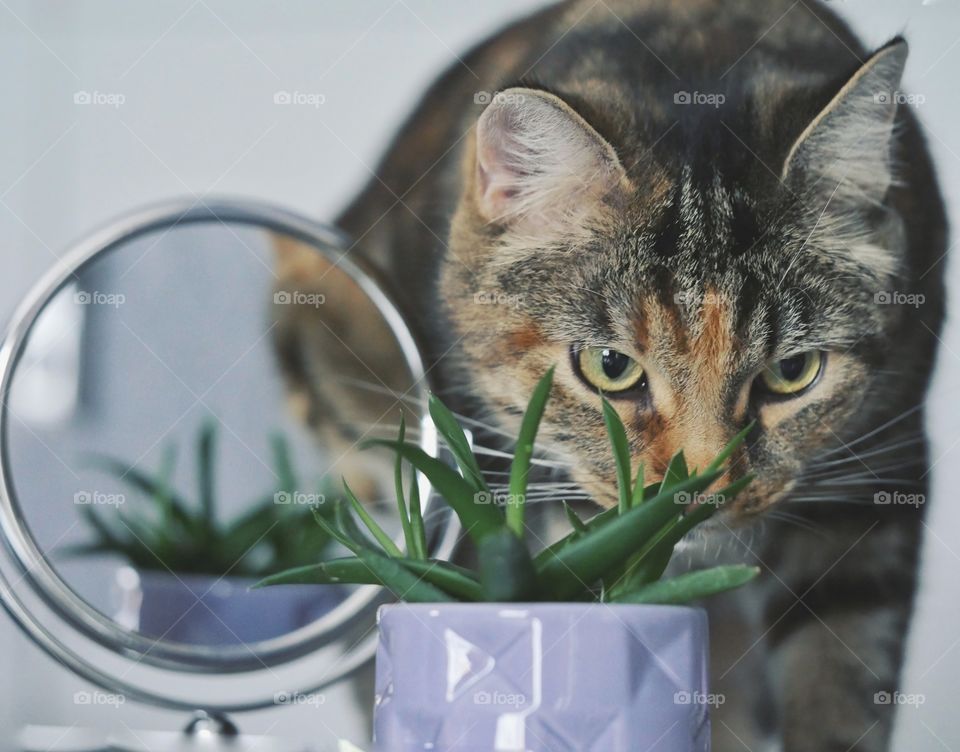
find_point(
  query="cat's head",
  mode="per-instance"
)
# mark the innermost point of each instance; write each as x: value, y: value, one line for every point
x: 713, y: 274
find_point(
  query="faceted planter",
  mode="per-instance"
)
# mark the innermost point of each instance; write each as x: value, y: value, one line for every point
x: 216, y: 611
x: 541, y: 677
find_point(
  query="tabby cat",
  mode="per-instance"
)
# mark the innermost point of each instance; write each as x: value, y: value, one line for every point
x: 716, y: 213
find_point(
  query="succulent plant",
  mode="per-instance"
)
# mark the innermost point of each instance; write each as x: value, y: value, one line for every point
x: 617, y: 556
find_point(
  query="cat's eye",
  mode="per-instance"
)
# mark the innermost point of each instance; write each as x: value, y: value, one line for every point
x: 794, y: 374
x: 609, y: 370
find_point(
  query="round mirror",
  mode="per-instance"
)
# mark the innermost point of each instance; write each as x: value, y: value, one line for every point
x: 179, y: 400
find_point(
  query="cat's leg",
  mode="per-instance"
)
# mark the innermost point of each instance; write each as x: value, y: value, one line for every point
x: 741, y: 715
x: 837, y: 628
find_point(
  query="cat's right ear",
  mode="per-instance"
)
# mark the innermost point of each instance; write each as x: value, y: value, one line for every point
x: 539, y: 164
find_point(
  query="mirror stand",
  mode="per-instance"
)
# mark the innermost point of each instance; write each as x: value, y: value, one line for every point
x: 206, y: 732
x: 244, y: 322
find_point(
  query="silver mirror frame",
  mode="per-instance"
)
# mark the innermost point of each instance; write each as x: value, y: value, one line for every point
x: 169, y: 674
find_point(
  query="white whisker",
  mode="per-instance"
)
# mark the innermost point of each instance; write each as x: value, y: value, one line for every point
x: 797, y: 521
x: 871, y: 471
x: 536, y: 461
x: 882, y: 449
x: 875, y: 431
x: 422, y: 404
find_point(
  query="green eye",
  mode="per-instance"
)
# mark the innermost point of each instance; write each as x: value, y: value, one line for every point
x: 609, y: 370
x: 794, y: 374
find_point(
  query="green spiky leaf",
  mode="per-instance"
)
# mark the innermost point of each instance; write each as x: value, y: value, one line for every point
x: 691, y: 586
x: 584, y: 561
x: 417, y: 528
x: 398, y: 490
x: 523, y: 453
x: 676, y: 471
x: 477, y: 513
x: 379, y: 534
x: 403, y: 583
x: 575, y: 522
x: 621, y: 452
x: 455, y: 581
x: 456, y: 439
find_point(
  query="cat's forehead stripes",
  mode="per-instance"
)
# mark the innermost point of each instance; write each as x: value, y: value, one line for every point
x: 715, y: 347
x: 694, y: 389
x: 691, y: 339
x: 705, y: 216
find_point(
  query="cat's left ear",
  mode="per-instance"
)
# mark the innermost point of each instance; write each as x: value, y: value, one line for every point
x: 847, y: 145
x: 539, y: 164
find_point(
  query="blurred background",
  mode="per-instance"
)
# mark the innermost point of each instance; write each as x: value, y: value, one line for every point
x: 107, y: 106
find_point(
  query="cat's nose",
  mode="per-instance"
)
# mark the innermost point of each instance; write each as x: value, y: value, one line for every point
x: 699, y: 457
x: 702, y: 455
x: 701, y: 441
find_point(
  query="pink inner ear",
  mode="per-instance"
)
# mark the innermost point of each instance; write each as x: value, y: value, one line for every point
x: 483, y: 178
x: 495, y: 181
x: 537, y: 161
x: 490, y: 200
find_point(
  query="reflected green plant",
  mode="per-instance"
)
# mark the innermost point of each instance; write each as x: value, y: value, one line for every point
x: 172, y: 533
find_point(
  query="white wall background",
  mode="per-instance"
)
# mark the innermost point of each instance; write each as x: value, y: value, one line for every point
x: 198, y: 78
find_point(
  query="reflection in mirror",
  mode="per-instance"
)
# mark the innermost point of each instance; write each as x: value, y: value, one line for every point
x: 181, y: 410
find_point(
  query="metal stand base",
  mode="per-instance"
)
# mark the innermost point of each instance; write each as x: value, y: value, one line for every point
x: 205, y: 733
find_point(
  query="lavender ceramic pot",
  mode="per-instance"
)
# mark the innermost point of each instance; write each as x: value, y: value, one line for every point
x: 541, y: 677
x: 216, y: 611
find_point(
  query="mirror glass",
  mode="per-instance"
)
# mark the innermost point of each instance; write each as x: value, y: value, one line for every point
x: 181, y: 409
